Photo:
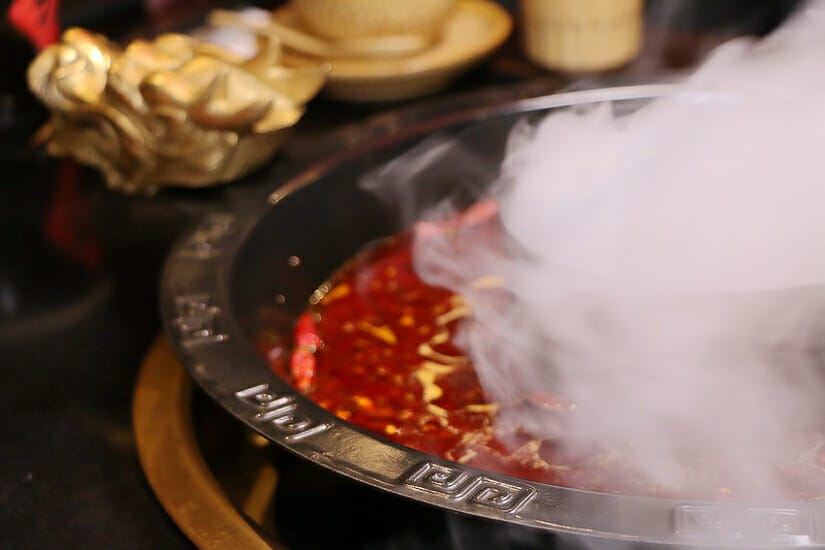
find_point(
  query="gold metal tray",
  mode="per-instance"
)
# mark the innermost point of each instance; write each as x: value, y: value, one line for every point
x: 176, y: 469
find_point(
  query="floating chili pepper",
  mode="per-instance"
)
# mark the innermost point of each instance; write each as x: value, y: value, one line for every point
x: 302, y: 363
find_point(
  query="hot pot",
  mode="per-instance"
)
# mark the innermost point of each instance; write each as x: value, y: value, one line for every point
x: 277, y: 252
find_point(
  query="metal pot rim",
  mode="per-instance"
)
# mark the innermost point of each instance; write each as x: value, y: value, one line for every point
x: 195, y: 306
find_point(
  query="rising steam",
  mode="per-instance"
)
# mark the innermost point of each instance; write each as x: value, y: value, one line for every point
x: 665, y: 272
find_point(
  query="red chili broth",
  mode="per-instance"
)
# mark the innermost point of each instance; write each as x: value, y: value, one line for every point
x: 356, y: 353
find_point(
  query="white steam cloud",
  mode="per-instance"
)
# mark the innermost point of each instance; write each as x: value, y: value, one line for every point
x: 665, y: 272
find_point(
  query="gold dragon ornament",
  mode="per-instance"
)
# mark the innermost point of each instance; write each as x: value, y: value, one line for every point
x: 177, y: 110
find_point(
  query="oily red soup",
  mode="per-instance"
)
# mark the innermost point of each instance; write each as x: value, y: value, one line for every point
x: 375, y: 348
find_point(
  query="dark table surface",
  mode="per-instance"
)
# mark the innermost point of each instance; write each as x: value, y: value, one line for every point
x: 79, y: 268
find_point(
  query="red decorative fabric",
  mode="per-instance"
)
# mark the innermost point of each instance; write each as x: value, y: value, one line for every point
x: 37, y: 19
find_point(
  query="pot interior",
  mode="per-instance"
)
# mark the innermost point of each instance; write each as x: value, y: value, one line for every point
x: 307, y: 235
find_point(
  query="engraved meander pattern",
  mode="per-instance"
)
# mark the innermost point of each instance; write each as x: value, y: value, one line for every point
x: 280, y: 411
x: 198, y: 321
x: 458, y: 485
x: 207, y: 240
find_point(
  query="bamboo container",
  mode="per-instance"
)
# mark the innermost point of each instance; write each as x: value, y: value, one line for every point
x: 582, y: 35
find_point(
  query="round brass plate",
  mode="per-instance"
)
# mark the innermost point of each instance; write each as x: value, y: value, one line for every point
x: 474, y: 31
x: 173, y: 464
